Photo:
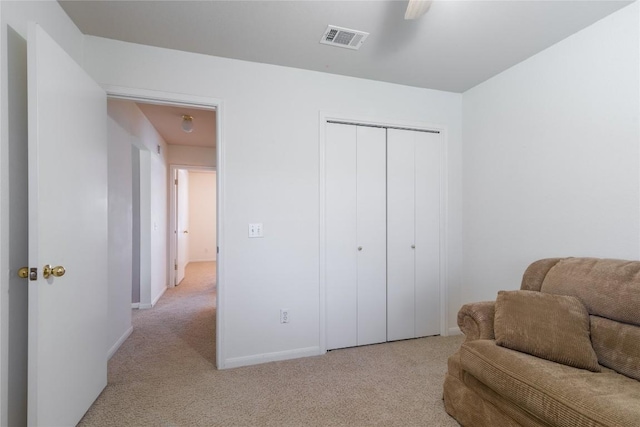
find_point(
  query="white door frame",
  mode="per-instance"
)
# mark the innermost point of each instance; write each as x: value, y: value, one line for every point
x: 180, y: 99
x: 4, y: 228
x: 364, y: 120
x: 173, y: 220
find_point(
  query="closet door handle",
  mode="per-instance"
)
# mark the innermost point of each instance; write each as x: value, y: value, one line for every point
x: 359, y: 248
x: 413, y: 246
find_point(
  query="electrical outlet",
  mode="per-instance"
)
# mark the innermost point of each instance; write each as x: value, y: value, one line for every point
x: 255, y: 230
x: 284, y: 315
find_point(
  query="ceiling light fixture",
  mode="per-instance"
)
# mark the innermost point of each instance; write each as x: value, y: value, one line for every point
x: 187, y: 123
x: 417, y: 8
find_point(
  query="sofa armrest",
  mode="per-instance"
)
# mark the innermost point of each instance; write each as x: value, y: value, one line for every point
x: 476, y: 320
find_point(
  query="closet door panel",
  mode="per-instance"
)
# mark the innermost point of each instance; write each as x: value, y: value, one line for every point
x: 427, y: 252
x: 400, y: 234
x: 340, y: 229
x: 371, y: 235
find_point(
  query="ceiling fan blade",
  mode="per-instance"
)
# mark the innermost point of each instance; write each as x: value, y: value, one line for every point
x: 417, y: 8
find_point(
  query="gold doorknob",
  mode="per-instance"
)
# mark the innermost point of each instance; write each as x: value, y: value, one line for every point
x: 57, y: 271
x: 23, y: 273
x: 186, y: 232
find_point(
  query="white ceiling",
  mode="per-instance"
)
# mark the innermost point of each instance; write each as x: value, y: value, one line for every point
x: 168, y: 122
x: 455, y: 46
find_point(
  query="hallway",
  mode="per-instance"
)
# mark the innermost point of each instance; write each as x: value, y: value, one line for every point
x: 171, y: 345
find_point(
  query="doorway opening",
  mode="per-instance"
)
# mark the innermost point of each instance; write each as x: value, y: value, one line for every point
x: 192, y: 229
x: 156, y: 154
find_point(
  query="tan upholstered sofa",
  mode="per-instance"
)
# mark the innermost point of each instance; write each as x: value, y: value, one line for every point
x: 562, y: 303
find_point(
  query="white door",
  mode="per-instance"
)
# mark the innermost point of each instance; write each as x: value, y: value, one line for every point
x: 67, y: 367
x: 182, y: 223
x: 401, y: 235
x: 371, y: 234
x: 355, y: 235
x: 340, y: 236
x: 413, y: 247
x: 427, y: 251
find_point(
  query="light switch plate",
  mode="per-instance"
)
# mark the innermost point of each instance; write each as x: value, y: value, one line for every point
x: 255, y: 230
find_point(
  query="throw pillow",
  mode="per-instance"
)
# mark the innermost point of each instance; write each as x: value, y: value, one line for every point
x: 552, y: 327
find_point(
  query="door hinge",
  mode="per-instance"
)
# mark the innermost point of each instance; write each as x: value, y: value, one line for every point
x: 175, y: 181
x: 175, y: 265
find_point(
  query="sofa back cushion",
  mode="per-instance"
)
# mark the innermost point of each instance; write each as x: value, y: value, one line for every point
x: 610, y: 291
x: 617, y: 345
x: 607, y: 288
x: 536, y: 272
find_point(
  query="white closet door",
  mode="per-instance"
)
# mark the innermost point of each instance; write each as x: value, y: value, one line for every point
x: 400, y: 234
x: 340, y: 236
x: 371, y: 235
x: 382, y: 230
x: 413, y: 228
x: 427, y: 252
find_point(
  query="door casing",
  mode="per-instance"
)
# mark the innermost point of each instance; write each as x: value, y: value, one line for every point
x: 172, y: 215
x: 179, y: 99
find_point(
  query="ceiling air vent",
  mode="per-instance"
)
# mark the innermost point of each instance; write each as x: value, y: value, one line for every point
x: 343, y: 37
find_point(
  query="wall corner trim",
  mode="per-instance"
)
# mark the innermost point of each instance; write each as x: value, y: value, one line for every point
x: 156, y: 299
x: 118, y: 343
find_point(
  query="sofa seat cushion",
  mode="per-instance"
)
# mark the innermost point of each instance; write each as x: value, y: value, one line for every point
x: 556, y: 394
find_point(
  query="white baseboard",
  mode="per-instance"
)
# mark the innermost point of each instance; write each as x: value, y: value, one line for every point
x: 236, y: 362
x: 455, y: 331
x: 156, y: 299
x: 146, y: 305
x: 118, y: 343
x: 135, y: 305
x: 202, y: 260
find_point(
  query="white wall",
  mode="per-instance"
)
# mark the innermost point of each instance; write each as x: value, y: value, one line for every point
x: 186, y: 155
x: 120, y: 264
x: 202, y: 216
x: 14, y: 18
x: 135, y: 196
x: 160, y: 226
x: 3, y: 230
x: 551, y: 159
x: 271, y: 175
x: 153, y: 197
x: 145, y: 231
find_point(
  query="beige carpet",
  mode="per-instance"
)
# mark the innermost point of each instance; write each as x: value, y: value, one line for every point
x: 165, y: 375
